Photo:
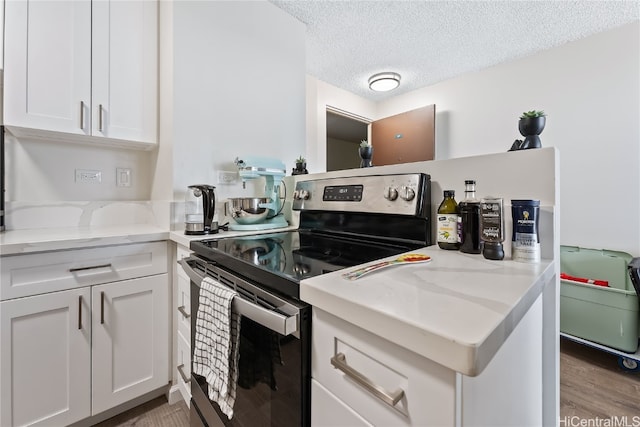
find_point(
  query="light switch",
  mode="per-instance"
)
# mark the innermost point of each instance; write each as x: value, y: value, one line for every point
x: 123, y: 177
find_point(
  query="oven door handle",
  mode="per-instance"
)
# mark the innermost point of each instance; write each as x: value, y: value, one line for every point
x: 284, y: 325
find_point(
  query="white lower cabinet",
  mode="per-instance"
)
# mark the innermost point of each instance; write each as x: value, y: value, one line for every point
x: 425, y: 391
x: 70, y: 354
x: 130, y: 353
x: 362, y: 379
x: 45, y: 359
x: 328, y: 411
x: 182, y: 333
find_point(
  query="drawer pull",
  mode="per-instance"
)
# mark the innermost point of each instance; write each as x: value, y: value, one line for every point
x: 183, y: 375
x: 80, y: 312
x: 184, y: 312
x: 93, y: 267
x: 339, y: 361
x: 102, y: 307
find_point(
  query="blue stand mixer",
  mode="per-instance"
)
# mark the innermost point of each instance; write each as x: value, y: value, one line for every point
x: 259, y: 213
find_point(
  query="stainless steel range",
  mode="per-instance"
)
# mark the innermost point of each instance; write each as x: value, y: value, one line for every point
x: 343, y: 222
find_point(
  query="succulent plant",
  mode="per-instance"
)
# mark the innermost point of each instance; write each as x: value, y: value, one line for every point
x: 301, y: 160
x: 364, y: 143
x: 531, y: 114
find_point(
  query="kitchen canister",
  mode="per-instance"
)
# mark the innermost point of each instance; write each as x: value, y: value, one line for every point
x: 525, y: 240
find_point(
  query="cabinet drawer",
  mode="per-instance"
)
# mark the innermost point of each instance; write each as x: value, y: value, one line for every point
x: 427, y: 389
x: 37, y: 273
x: 183, y: 303
x: 183, y: 368
x: 182, y: 252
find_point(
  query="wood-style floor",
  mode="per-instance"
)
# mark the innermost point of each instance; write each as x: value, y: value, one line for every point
x: 592, y: 388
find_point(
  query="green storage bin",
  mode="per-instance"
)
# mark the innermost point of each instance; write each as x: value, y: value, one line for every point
x: 605, y: 315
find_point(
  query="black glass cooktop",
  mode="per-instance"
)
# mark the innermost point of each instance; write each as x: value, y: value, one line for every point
x: 280, y: 260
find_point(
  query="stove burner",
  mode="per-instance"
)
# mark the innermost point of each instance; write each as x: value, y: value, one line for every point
x: 319, y: 253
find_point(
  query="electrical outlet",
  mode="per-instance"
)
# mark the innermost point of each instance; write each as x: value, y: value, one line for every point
x: 123, y: 177
x: 226, y: 177
x: 88, y: 175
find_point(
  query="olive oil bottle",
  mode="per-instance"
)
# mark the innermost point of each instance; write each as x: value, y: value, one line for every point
x: 448, y: 222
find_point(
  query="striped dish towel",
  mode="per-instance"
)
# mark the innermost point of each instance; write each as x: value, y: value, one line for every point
x: 215, y: 355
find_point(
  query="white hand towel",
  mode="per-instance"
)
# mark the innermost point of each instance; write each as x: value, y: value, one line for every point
x: 215, y: 355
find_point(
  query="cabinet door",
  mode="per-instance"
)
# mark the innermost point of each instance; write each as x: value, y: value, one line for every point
x: 328, y: 411
x: 125, y: 70
x: 45, y: 356
x: 48, y: 65
x: 130, y: 340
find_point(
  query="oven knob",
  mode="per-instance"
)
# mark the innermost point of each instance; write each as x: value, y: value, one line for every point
x: 390, y: 193
x: 407, y: 193
x: 303, y: 195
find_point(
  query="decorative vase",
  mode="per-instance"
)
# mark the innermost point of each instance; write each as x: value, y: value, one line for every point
x: 530, y: 128
x: 366, y: 153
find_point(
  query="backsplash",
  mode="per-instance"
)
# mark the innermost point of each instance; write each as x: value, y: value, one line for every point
x: 30, y: 215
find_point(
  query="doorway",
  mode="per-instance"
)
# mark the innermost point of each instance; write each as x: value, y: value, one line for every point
x: 344, y: 133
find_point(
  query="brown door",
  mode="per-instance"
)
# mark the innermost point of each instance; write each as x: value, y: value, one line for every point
x: 404, y: 138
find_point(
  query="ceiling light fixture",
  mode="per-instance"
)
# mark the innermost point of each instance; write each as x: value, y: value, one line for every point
x: 383, y: 82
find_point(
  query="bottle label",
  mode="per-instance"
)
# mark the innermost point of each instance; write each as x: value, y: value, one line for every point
x: 447, y: 228
x: 491, y: 221
x: 525, y: 239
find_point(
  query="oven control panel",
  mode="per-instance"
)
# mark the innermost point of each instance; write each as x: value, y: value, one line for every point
x: 403, y: 194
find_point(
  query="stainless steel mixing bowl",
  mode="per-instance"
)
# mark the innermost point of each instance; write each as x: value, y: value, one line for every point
x: 246, y: 210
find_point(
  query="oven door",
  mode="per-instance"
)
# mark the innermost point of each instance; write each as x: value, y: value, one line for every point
x: 274, y: 379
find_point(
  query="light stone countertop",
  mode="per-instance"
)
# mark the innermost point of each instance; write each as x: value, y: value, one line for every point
x: 457, y: 309
x: 14, y: 242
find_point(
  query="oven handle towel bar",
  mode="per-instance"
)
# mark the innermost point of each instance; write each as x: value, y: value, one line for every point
x: 339, y: 361
x: 282, y: 324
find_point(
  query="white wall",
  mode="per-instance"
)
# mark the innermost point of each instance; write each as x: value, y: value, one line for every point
x: 591, y: 92
x: 321, y: 95
x: 238, y: 89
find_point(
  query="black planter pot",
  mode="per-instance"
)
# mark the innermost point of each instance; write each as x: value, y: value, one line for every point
x: 366, y: 153
x: 530, y: 128
x: 531, y: 125
x: 300, y: 169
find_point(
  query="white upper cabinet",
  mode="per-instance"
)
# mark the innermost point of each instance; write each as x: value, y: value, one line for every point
x: 48, y: 65
x: 84, y: 68
x: 125, y: 70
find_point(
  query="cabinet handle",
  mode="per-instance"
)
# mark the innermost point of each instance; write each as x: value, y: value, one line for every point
x: 102, y: 307
x: 80, y: 312
x: 93, y: 267
x: 339, y: 361
x: 82, y: 115
x: 182, y: 374
x: 100, y: 113
x: 183, y: 312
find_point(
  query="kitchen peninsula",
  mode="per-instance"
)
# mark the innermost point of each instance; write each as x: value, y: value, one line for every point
x: 459, y: 340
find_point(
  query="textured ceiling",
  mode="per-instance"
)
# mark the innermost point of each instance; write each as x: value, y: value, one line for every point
x: 430, y: 41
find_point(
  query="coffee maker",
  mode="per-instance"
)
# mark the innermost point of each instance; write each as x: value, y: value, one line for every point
x: 199, y: 209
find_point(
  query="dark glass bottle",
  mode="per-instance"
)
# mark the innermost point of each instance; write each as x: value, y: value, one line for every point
x: 469, y: 225
x: 448, y: 222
